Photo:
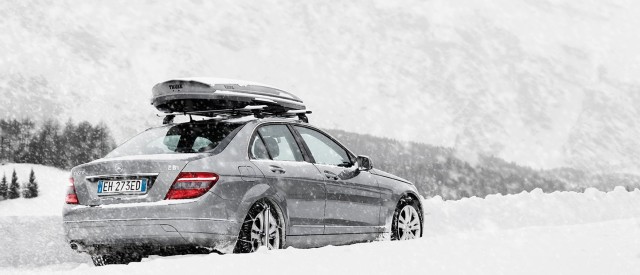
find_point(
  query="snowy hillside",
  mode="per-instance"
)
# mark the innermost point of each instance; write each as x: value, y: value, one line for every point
x: 527, y: 233
x: 543, y: 83
x: 52, y: 183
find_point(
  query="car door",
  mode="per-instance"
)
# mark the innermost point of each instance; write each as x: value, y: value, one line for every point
x: 275, y: 152
x: 353, y: 196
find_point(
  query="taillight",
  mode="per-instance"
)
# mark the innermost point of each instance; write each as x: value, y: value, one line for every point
x: 191, y: 185
x: 72, y: 197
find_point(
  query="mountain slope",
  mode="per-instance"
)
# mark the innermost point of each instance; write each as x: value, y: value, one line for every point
x: 439, y: 171
x: 543, y: 83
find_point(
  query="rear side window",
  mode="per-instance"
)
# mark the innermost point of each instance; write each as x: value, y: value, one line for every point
x: 278, y: 142
x: 323, y: 149
x: 192, y: 137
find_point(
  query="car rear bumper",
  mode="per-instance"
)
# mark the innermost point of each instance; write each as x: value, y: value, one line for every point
x: 195, y: 223
x: 153, y: 233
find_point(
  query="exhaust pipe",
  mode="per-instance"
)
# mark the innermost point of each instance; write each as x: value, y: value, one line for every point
x: 79, y: 247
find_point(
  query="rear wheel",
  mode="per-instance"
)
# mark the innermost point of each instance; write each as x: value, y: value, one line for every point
x: 407, y: 220
x: 99, y: 260
x: 115, y: 258
x: 261, y: 228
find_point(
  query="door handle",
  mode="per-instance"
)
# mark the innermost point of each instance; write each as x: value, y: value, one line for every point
x: 277, y: 169
x: 330, y: 175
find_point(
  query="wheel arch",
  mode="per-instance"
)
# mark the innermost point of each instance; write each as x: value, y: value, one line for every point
x: 415, y: 197
x: 263, y: 192
x: 257, y: 193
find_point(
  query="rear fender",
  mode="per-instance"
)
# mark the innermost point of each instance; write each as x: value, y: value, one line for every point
x: 258, y: 192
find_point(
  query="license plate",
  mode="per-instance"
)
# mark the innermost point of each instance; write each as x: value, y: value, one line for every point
x: 108, y: 187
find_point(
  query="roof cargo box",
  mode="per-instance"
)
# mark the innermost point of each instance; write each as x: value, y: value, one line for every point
x: 200, y: 95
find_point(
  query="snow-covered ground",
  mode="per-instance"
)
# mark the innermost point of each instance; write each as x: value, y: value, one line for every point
x: 527, y: 233
x: 52, y: 183
x: 611, y: 247
x: 31, y: 229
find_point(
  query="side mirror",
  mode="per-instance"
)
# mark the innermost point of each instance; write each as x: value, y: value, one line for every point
x: 364, y: 163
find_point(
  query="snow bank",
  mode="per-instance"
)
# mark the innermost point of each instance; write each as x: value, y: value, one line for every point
x: 529, y: 209
x: 52, y: 183
x: 31, y: 229
x: 31, y: 241
x: 601, y: 248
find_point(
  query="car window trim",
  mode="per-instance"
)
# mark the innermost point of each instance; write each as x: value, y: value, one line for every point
x: 226, y: 140
x: 265, y: 145
x: 251, y: 143
x: 308, y: 157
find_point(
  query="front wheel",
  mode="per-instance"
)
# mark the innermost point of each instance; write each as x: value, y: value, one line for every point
x: 407, y: 221
x: 261, y: 228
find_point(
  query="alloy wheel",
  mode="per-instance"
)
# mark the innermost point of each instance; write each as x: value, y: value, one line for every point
x: 265, y: 230
x: 408, y: 223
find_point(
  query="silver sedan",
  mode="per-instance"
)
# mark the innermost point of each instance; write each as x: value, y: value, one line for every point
x: 233, y: 186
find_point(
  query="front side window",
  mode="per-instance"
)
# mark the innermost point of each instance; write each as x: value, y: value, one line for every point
x: 323, y: 149
x: 278, y: 142
x: 191, y: 137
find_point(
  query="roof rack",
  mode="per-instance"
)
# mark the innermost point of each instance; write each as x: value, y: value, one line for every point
x: 259, y: 111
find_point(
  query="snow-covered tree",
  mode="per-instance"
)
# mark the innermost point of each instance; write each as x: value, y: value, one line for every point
x: 67, y: 143
x: 32, y: 186
x: 14, y: 187
x: 43, y: 145
x: 4, y: 187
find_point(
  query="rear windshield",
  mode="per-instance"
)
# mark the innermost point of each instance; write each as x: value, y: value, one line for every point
x: 192, y: 137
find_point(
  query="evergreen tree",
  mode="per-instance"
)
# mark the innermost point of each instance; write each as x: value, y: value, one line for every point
x: 3, y: 187
x: 66, y: 148
x: 23, y: 141
x: 48, y: 139
x: 104, y: 143
x: 82, y: 150
x: 14, y: 187
x: 23, y: 131
x: 4, y: 149
x: 32, y: 187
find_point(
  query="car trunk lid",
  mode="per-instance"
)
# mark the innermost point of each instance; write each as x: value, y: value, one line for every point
x: 157, y: 171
